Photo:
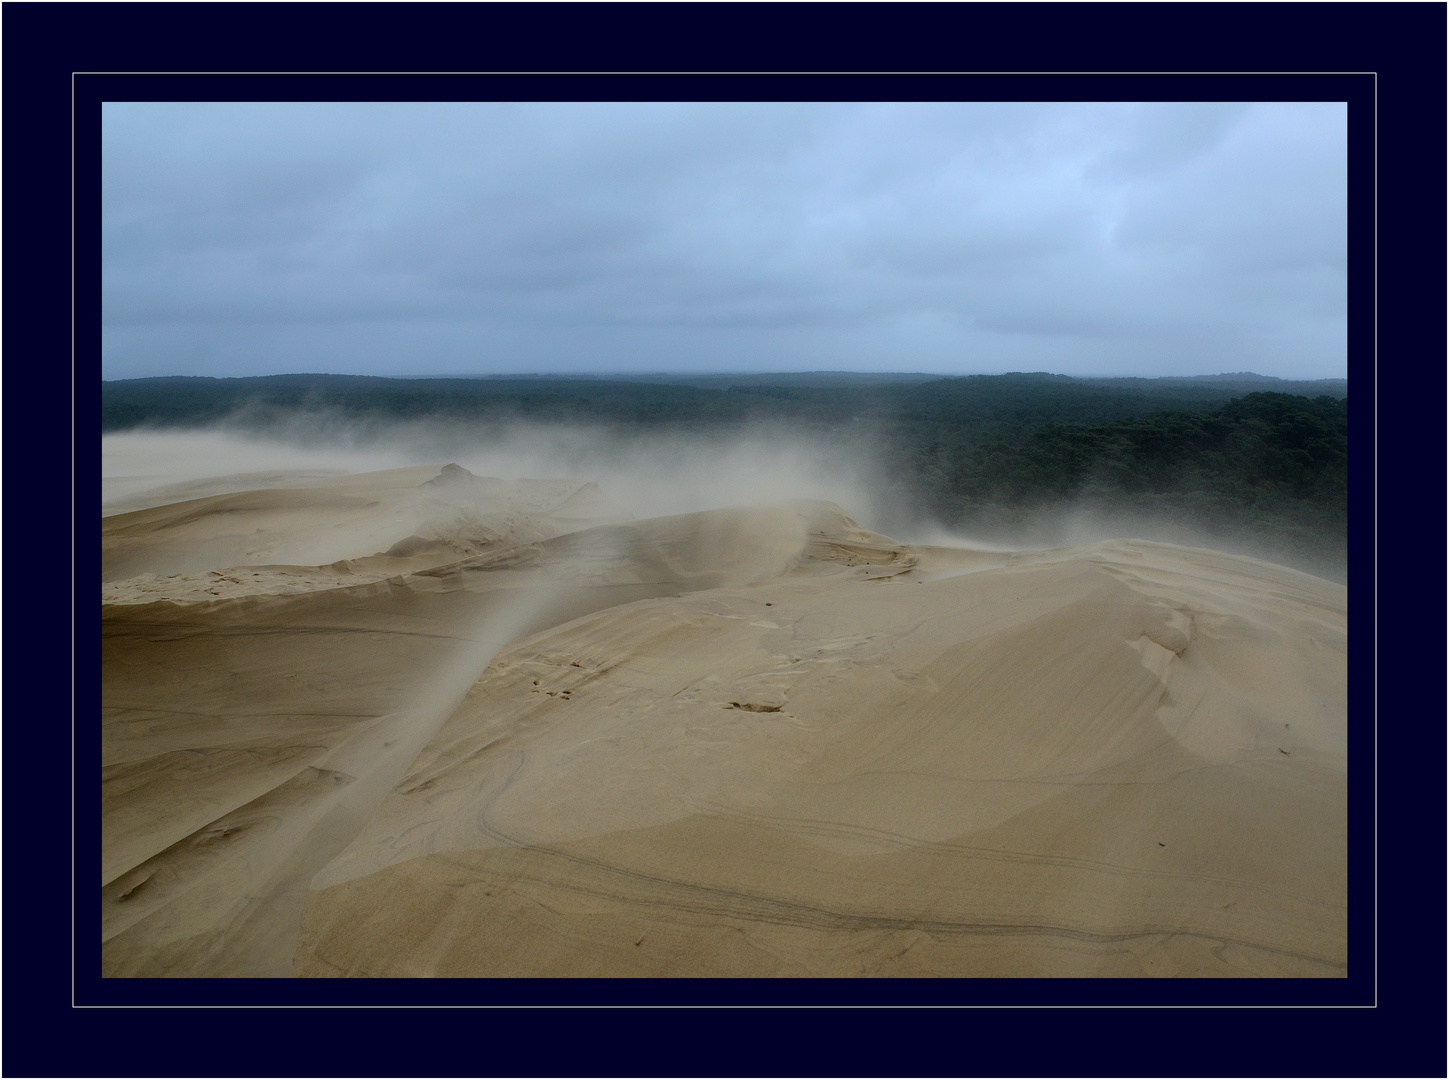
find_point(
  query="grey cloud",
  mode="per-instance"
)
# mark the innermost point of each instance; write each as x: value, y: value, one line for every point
x: 395, y: 238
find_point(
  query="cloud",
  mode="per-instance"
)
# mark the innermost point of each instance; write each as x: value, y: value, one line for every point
x: 424, y: 238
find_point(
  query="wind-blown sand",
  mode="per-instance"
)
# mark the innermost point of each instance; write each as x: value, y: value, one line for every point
x: 420, y: 723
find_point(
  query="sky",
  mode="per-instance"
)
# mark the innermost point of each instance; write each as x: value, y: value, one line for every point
x: 954, y: 238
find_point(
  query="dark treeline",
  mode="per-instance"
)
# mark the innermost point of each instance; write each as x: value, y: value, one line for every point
x: 1269, y: 470
x: 1260, y: 460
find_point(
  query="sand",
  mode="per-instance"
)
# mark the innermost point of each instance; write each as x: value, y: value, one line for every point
x: 424, y: 723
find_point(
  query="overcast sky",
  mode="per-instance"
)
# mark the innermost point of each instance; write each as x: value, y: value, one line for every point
x: 417, y: 239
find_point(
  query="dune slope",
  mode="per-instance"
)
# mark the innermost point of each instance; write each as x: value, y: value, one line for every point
x: 745, y: 742
x: 1125, y: 760
x: 252, y: 718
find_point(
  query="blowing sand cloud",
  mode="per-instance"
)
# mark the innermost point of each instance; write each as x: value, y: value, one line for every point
x: 642, y: 476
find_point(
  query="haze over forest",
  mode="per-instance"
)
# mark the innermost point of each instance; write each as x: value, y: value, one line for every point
x: 1240, y: 462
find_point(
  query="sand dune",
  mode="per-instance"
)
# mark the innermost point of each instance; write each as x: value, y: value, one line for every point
x: 491, y: 730
x: 341, y: 531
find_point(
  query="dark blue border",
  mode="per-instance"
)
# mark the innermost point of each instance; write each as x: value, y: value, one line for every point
x: 1402, y: 43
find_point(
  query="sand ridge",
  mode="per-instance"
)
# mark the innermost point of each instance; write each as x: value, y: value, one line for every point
x: 339, y: 531
x: 750, y: 741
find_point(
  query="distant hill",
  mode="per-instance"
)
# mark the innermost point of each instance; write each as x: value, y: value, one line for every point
x: 1014, y: 397
x: 1238, y: 381
x: 824, y: 379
